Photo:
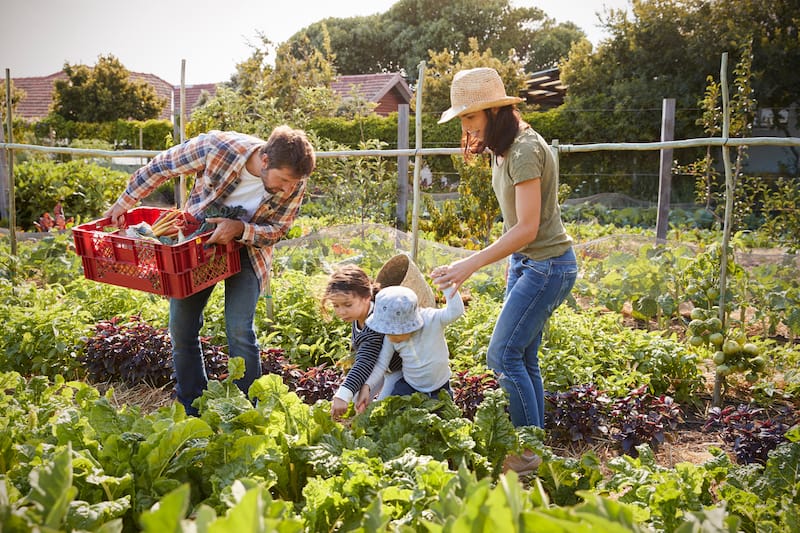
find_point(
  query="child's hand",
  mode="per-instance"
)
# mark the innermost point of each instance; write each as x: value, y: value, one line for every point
x: 338, y: 407
x: 447, y: 287
x: 364, y: 399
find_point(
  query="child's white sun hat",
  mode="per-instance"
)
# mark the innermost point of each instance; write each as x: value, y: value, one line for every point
x: 396, y: 311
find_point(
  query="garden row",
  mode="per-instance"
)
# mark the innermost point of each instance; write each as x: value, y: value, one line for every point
x: 414, y: 463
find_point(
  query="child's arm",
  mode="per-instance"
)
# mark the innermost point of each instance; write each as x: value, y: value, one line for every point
x: 387, y: 350
x: 368, y: 348
x: 454, y: 308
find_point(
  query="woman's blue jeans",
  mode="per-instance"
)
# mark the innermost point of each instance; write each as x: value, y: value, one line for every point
x: 186, y: 319
x: 534, y: 290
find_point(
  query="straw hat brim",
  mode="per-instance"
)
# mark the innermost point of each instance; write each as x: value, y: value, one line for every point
x: 477, y: 106
x: 401, y: 270
x: 387, y: 327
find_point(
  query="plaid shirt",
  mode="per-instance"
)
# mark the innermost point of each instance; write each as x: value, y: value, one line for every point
x: 216, y: 159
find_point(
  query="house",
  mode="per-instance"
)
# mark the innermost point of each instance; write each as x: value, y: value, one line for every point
x: 387, y: 89
x: 38, y: 99
x: 544, y: 88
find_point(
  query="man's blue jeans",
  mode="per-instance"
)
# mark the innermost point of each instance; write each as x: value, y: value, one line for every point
x: 534, y: 290
x: 186, y: 320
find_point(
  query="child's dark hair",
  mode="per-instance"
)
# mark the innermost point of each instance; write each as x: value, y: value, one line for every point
x: 350, y: 279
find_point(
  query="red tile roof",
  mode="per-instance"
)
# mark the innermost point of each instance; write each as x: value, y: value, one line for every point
x: 193, y: 94
x: 388, y: 89
x: 38, y: 97
x: 39, y: 94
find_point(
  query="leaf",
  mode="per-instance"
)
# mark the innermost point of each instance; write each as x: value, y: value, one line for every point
x: 376, y: 518
x: 170, y: 443
x: 493, y: 431
x: 85, y: 517
x: 51, y: 488
x: 166, y: 515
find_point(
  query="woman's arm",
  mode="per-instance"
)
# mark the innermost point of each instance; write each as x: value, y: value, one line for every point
x: 528, y: 202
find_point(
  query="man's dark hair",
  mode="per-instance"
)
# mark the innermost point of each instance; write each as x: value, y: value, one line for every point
x: 289, y: 148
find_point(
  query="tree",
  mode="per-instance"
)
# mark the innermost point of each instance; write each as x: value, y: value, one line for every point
x: 261, y: 96
x: 400, y: 38
x: 16, y: 96
x: 553, y: 43
x: 104, y: 93
x: 443, y: 65
x: 666, y: 49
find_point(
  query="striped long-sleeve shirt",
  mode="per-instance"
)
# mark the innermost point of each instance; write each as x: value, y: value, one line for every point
x: 216, y: 159
x: 367, y: 346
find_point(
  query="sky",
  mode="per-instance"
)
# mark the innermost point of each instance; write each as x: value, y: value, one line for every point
x: 155, y: 36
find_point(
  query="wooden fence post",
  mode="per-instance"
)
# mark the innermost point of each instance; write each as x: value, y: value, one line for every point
x: 3, y: 177
x: 12, y: 209
x: 665, y: 170
x: 402, y: 166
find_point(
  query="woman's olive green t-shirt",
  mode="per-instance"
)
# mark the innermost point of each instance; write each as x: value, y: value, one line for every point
x: 528, y: 158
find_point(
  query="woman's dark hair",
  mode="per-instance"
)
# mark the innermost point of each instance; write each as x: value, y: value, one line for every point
x: 501, y: 130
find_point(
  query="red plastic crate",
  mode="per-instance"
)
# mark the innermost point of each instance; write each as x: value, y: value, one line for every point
x: 174, y: 271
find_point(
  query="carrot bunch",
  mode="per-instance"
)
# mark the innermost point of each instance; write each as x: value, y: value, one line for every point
x: 169, y: 223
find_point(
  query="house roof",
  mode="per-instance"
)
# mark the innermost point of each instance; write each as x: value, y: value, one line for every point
x: 192, y: 94
x: 372, y: 87
x: 544, y: 88
x: 39, y: 94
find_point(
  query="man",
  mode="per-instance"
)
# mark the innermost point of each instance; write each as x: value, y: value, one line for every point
x: 267, y: 181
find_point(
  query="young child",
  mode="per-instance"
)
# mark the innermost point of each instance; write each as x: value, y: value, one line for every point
x: 417, y: 334
x: 350, y: 293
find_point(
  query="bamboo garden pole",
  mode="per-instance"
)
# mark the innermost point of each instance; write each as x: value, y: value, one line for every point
x: 417, y: 165
x: 12, y: 209
x: 726, y: 231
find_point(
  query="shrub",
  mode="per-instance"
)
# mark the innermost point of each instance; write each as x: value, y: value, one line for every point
x: 84, y: 189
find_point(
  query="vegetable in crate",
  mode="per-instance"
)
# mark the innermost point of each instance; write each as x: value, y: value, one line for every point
x: 236, y: 169
x: 234, y: 213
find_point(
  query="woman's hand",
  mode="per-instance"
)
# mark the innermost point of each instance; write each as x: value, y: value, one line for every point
x: 452, y: 275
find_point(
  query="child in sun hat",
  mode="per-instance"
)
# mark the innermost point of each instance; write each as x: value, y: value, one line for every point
x: 350, y: 293
x: 417, y: 334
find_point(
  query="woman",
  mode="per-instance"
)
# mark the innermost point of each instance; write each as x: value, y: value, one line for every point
x: 541, y: 265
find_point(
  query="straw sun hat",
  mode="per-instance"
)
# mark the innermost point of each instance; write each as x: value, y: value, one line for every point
x: 401, y: 270
x: 476, y: 89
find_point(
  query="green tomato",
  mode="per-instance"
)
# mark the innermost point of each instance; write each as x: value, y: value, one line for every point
x: 723, y: 370
x: 730, y: 347
x: 714, y: 324
x: 716, y: 338
x: 696, y: 340
x: 759, y: 363
x: 751, y: 377
x: 751, y: 349
x: 698, y: 314
x: 719, y: 358
x: 697, y: 326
